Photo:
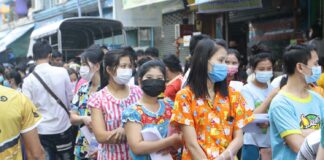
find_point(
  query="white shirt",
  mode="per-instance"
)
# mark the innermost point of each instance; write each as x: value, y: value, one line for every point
x: 254, y: 96
x: 185, y: 79
x: 310, y: 146
x: 55, y: 119
x: 276, y: 82
x: 236, y: 85
x: 132, y: 82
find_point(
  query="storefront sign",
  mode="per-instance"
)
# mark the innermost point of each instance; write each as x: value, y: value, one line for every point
x: 214, y: 6
x: 145, y: 16
x: 137, y: 3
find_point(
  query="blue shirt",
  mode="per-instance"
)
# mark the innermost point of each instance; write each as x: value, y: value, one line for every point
x: 322, y: 134
x: 289, y: 115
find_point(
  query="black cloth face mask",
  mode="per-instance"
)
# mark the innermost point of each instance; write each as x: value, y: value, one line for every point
x: 153, y: 87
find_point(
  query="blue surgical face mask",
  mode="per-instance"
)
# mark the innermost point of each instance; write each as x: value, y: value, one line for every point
x: 1, y: 78
x: 316, y: 73
x: 218, y: 72
x: 6, y: 84
x: 263, y: 76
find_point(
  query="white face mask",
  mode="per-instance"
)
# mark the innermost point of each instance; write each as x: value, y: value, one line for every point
x: 85, y: 73
x: 123, y: 76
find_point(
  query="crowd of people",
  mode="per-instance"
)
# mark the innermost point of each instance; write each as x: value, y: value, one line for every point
x: 123, y: 104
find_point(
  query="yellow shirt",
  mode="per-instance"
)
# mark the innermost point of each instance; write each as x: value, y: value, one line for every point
x: 320, y: 81
x: 18, y: 116
x: 317, y: 89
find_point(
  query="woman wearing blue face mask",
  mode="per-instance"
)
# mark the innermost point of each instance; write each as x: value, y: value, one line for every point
x: 258, y: 94
x: 209, y: 114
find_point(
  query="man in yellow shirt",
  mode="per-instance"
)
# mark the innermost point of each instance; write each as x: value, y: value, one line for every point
x: 19, y: 118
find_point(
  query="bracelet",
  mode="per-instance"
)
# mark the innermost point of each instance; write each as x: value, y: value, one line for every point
x: 231, y: 154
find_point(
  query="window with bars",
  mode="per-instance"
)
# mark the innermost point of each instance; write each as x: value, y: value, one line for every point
x: 44, y: 4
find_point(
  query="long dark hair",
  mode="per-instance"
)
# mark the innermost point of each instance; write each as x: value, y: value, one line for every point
x: 92, y: 54
x: 198, y: 76
x: 111, y: 62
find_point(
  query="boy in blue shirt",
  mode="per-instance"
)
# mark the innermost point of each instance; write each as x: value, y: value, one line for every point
x: 296, y: 111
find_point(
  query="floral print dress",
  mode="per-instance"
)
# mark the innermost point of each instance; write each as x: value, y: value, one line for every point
x: 79, y: 105
x: 214, y: 130
x: 160, y: 120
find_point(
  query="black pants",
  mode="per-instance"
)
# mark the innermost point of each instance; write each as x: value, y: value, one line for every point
x: 58, y: 146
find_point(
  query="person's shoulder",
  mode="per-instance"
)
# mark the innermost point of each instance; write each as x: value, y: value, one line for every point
x: 99, y: 94
x: 185, y: 91
x: 279, y: 101
x: 56, y: 70
x: 316, y: 95
x: 236, y: 85
x: 270, y: 87
x: 28, y: 78
x: 232, y: 90
x: 83, y: 88
x: 7, y: 91
x: 246, y: 87
x: 177, y: 82
x: 132, y: 114
x: 135, y: 89
x: 61, y: 70
x: 135, y: 108
x: 168, y: 103
x: 102, y: 91
x: 9, y: 95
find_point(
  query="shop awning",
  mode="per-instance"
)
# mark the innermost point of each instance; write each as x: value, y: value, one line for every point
x: 128, y: 4
x: 216, y: 6
x: 3, y: 34
x: 13, y: 35
x: 46, y: 30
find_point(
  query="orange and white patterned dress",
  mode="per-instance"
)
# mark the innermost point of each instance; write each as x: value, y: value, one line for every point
x: 214, y: 131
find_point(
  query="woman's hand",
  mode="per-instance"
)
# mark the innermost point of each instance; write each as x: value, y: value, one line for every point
x: 118, y: 136
x: 87, y: 121
x: 226, y: 155
x: 174, y: 145
x: 177, y: 141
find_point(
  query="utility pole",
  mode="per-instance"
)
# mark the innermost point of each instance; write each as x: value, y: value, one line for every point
x: 100, y: 9
x: 79, y: 9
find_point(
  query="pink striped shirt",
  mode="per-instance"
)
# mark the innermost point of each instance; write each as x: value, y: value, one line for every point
x: 112, y: 109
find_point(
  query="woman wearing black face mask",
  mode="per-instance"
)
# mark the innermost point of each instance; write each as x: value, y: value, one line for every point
x: 149, y: 113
